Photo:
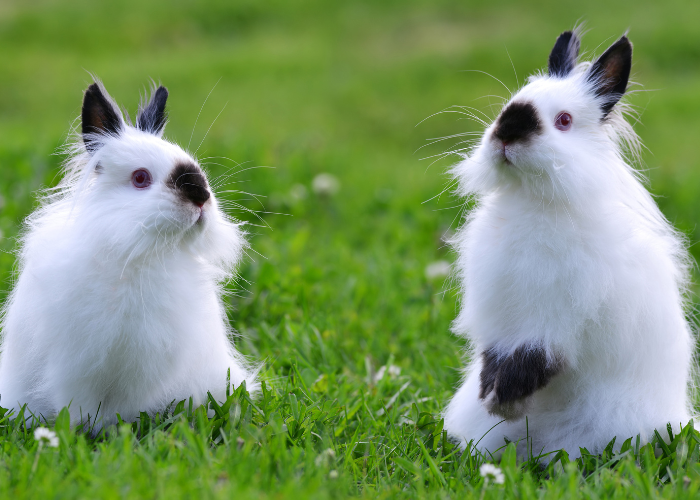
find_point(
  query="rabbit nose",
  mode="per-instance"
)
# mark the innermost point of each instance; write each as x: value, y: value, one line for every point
x: 189, y: 182
x: 517, y: 122
x: 198, y: 196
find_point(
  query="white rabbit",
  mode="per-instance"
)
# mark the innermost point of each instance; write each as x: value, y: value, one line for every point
x: 118, y: 301
x: 573, y: 282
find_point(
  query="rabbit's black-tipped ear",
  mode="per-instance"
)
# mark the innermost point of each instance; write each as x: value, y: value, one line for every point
x: 562, y: 59
x: 610, y: 73
x: 152, y: 116
x: 99, y: 116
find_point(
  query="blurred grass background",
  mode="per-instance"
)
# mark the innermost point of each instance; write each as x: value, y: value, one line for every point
x: 341, y: 87
x: 345, y: 88
x: 336, y: 287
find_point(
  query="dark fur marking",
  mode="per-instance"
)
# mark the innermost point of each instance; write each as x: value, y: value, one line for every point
x: 152, y: 116
x: 99, y: 116
x: 610, y: 73
x: 516, y: 376
x: 489, y: 371
x: 187, y: 179
x: 517, y: 122
x: 562, y: 59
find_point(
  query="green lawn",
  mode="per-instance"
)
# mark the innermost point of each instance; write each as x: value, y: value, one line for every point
x: 337, y: 286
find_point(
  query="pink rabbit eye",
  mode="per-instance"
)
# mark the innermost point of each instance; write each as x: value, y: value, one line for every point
x: 141, y: 178
x: 563, y: 121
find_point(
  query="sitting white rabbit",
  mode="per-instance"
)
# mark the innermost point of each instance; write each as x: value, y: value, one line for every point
x: 118, y: 301
x: 573, y: 281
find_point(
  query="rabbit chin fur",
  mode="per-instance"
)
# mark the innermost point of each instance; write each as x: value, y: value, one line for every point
x: 565, y: 251
x: 118, y: 301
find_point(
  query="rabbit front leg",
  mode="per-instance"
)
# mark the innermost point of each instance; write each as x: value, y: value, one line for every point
x: 507, y: 381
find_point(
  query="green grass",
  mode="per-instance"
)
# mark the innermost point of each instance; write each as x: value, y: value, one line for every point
x: 338, y: 289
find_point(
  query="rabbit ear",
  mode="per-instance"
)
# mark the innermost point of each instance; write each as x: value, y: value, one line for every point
x: 562, y: 59
x: 610, y: 73
x: 100, y: 116
x: 152, y: 116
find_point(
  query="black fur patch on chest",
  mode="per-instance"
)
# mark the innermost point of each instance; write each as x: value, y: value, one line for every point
x: 516, y: 376
x: 518, y: 122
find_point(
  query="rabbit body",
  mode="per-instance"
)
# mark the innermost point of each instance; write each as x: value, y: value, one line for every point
x: 118, y: 305
x: 573, y: 281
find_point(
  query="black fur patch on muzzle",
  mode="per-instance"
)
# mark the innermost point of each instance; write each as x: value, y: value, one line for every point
x: 518, y: 122
x: 189, y: 182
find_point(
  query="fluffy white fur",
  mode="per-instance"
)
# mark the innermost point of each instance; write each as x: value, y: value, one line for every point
x: 118, y: 301
x: 566, y: 249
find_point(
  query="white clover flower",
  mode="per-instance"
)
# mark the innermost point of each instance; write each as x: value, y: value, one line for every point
x: 44, y: 435
x: 325, y: 185
x: 491, y: 472
x: 333, y: 474
x: 298, y: 192
x: 393, y: 371
x: 326, y: 457
x: 380, y: 374
x: 437, y: 269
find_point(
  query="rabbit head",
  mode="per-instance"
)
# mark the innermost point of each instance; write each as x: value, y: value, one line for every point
x: 556, y: 136
x: 138, y: 193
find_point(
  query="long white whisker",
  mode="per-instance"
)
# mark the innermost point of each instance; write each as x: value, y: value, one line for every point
x: 488, y: 74
x: 210, y: 126
x: 200, y: 112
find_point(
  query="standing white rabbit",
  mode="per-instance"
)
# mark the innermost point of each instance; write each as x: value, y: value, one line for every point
x: 118, y: 301
x: 573, y: 281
